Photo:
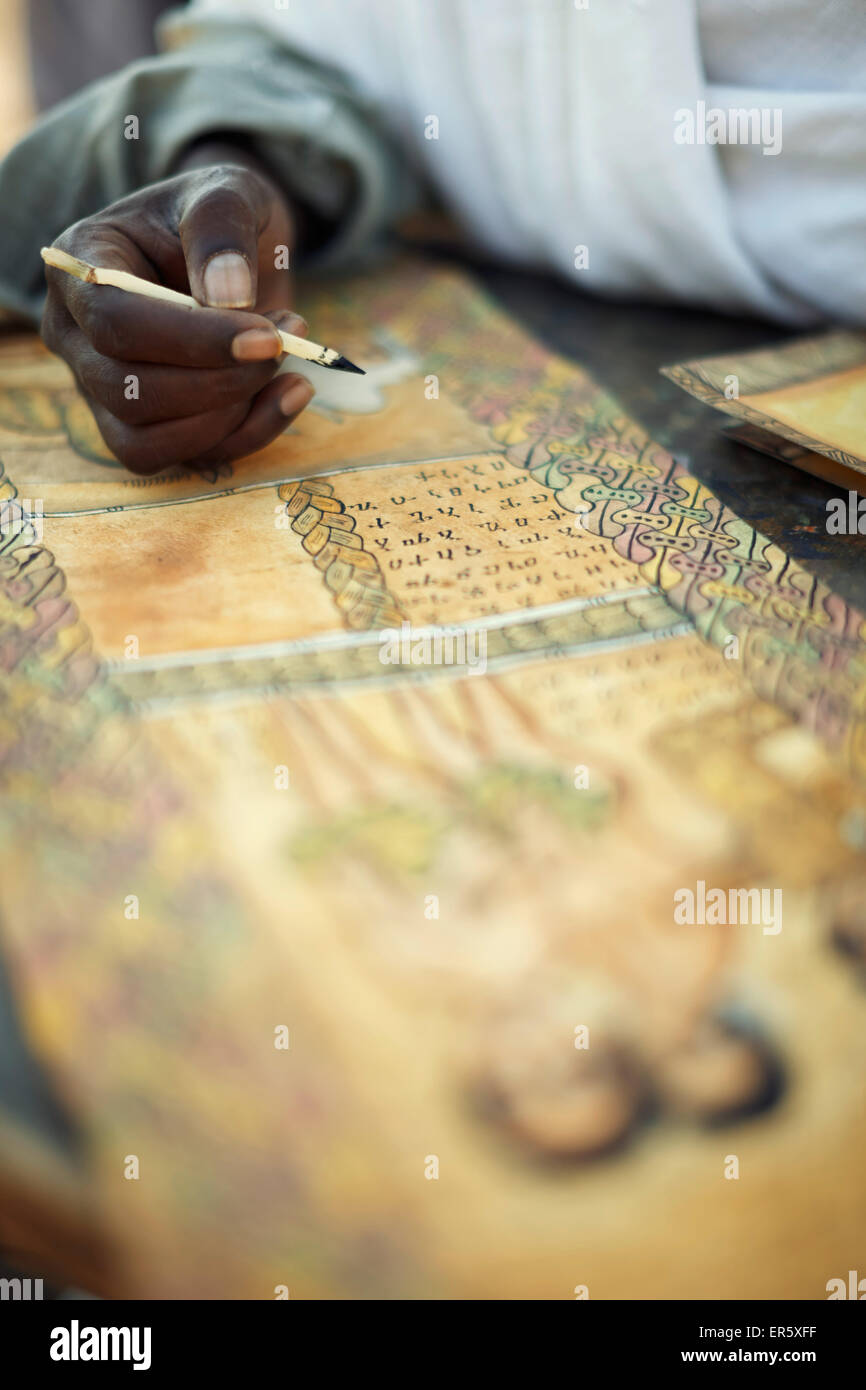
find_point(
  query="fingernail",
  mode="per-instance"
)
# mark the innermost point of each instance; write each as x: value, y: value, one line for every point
x: 294, y: 324
x: 297, y: 396
x: 227, y: 282
x: 256, y: 345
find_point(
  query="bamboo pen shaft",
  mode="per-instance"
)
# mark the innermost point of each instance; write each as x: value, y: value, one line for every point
x: 133, y: 284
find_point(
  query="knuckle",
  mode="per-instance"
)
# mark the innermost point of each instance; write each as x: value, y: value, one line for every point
x: 127, y: 443
x: 234, y: 181
x: 103, y: 333
x: 145, y: 456
x: 77, y: 233
x: 122, y: 387
x: 240, y: 384
x: 79, y: 237
x: 227, y: 191
x: 149, y: 451
x: 156, y: 401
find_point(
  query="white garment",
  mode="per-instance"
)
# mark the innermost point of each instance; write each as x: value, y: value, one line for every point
x: 556, y: 130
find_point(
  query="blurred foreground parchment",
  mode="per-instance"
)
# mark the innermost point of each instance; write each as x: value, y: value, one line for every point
x: 374, y: 968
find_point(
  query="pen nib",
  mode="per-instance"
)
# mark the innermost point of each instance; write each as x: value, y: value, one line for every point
x: 343, y: 364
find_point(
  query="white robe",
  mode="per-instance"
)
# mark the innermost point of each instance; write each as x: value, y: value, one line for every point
x: 556, y: 131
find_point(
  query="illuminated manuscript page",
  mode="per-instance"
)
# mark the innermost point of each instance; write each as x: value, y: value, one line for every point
x: 374, y: 967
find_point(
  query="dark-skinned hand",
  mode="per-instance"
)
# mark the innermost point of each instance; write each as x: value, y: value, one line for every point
x: 171, y: 385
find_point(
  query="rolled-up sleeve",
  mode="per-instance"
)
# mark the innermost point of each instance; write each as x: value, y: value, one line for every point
x: 319, y: 138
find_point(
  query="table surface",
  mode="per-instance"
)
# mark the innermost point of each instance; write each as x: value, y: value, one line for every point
x: 622, y: 346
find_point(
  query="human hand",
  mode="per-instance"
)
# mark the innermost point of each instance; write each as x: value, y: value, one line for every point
x: 171, y: 385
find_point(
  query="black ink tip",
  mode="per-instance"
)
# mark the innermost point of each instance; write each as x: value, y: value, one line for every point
x: 343, y: 364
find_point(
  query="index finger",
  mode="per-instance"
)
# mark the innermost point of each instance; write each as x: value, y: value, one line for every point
x: 133, y: 328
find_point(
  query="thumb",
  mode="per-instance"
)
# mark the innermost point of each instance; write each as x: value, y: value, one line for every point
x: 219, y: 231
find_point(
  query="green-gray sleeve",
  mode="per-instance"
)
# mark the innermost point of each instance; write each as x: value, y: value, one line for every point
x: 305, y: 121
